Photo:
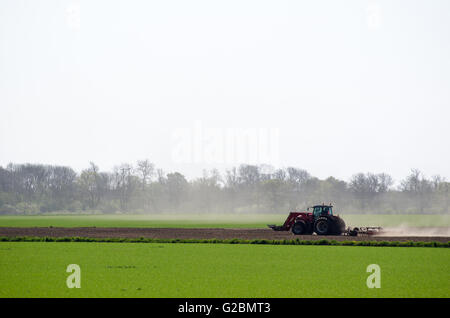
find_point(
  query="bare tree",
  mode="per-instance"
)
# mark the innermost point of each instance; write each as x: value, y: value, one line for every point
x: 125, y: 184
x: 146, y: 170
x: 385, y: 182
x: 418, y: 188
x: 93, y: 185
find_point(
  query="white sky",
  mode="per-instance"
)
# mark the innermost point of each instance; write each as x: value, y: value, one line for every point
x: 349, y: 86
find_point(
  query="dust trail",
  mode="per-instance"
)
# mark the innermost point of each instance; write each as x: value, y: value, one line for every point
x: 405, y: 230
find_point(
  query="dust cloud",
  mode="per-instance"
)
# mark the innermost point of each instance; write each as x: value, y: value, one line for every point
x: 405, y: 230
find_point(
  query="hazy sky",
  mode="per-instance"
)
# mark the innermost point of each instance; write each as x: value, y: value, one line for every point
x: 334, y: 87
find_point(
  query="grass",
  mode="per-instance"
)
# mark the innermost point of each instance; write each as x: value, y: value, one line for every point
x: 225, y: 241
x: 38, y: 269
x: 208, y: 221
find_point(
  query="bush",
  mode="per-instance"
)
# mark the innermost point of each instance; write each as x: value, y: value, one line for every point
x: 27, y: 208
x: 75, y: 206
x: 109, y: 207
x: 8, y: 209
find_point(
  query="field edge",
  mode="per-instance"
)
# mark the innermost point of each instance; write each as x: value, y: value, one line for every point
x: 226, y: 241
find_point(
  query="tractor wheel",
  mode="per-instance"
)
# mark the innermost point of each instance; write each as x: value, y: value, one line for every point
x: 338, y: 226
x: 299, y: 228
x: 322, y: 226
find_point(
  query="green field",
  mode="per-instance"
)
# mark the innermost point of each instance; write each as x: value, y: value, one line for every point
x: 220, y: 270
x: 213, y: 220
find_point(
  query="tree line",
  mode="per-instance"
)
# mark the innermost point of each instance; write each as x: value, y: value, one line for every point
x: 142, y: 188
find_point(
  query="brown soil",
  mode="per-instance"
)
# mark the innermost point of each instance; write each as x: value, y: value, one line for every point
x: 196, y: 233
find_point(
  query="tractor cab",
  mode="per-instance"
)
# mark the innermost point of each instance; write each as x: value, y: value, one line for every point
x: 322, y: 210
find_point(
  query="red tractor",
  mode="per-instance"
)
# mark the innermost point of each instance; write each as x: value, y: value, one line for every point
x: 320, y: 221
